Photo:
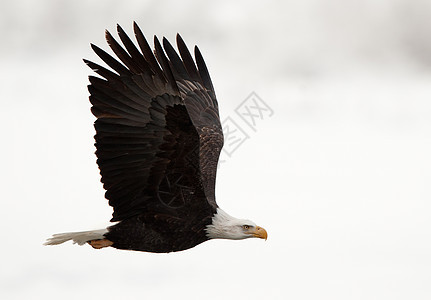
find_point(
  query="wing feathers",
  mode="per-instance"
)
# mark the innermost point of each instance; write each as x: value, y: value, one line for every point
x: 103, y: 88
x: 189, y: 64
x: 122, y: 54
x: 110, y: 61
x: 136, y: 56
x: 175, y: 61
x: 153, y: 111
x: 162, y: 59
x: 203, y: 71
x: 146, y: 50
x: 105, y: 73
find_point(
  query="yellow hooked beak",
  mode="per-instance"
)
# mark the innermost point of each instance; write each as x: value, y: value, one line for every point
x: 260, y: 232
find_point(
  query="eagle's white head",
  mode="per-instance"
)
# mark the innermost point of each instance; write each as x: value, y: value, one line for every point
x: 225, y: 226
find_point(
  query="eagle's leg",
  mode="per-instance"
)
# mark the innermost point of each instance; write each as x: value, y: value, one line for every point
x: 98, y: 244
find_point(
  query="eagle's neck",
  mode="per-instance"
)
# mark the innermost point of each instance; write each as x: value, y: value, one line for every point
x: 221, y: 226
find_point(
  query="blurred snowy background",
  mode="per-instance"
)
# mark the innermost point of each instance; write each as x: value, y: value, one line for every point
x: 339, y: 175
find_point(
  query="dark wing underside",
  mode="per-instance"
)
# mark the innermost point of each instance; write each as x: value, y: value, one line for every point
x: 158, y: 133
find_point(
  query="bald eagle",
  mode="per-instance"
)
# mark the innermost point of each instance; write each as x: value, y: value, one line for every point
x: 158, y: 140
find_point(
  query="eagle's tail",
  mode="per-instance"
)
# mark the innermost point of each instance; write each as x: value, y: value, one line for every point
x: 79, y: 238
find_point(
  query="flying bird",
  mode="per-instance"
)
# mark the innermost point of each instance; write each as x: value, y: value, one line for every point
x: 158, y: 140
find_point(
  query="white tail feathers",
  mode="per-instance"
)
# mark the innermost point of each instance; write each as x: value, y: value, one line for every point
x: 79, y: 238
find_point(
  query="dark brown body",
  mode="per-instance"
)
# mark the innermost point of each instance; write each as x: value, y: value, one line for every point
x: 145, y: 233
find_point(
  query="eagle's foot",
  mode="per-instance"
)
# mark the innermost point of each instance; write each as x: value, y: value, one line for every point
x: 99, y: 244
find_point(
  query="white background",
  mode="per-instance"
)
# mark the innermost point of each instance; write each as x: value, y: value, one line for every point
x: 339, y: 175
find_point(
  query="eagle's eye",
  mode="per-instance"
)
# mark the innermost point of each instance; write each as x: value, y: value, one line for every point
x: 245, y: 227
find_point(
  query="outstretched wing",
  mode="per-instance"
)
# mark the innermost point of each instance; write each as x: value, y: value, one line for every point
x: 158, y: 133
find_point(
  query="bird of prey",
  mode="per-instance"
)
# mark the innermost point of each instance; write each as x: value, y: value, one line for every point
x: 158, y: 140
